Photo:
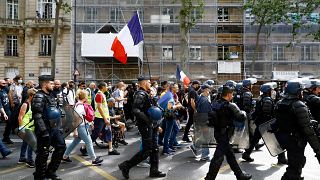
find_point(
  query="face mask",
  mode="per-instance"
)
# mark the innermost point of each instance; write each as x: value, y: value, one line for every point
x: 273, y: 94
x: 20, y: 81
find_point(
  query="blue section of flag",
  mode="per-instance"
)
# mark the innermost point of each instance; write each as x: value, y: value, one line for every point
x: 178, y: 76
x: 163, y: 101
x: 135, y: 29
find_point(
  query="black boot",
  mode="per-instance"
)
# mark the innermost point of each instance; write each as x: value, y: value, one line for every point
x: 124, y: 169
x: 246, y: 157
x: 282, y: 159
x: 52, y: 175
x: 243, y: 176
x: 156, y: 174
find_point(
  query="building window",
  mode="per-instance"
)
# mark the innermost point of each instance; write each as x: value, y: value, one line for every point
x: 167, y: 52
x: 223, y: 14
x: 307, y: 53
x: 12, y: 9
x: 196, y: 14
x: 223, y: 53
x: 195, y: 52
x: 46, y: 8
x: 91, y: 14
x: 168, y: 11
x: 45, y: 45
x: 278, y: 53
x: 11, y: 72
x: 12, y: 46
x: 114, y: 15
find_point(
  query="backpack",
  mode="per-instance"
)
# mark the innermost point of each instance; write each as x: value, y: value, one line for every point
x: 89, y: 116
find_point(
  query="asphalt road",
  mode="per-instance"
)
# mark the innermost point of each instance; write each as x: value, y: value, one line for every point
x: 180, y: 166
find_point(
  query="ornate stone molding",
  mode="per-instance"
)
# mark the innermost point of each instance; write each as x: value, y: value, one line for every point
x: 30, y: 34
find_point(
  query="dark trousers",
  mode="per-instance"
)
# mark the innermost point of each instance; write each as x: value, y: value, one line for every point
x: 56, y: 141
x: 296, y: 159
x: 254, y: 140
x: 8, y: 127
x: 189, y: 123
x: 223, y: 149
x: 149, y: 149
x: 98, y: 126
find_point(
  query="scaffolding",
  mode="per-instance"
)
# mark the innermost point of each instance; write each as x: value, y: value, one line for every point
x: 224, y: 38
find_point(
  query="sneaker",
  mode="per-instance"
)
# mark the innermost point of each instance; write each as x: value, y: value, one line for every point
x: 7, y: 141
x: 30, y: 164
x: 66, y: 160
x: 83, y: 151
x: 22, y: 161
x: 113, y: 152
x: 143, y: 165
x: 206, y: 158
x: 97, y: 161
x: 193, y: 150
x: 167, y: 153
x: 236, y: 150
x: 243, y: 176
x: 122, y: 141
x: 178, y: 146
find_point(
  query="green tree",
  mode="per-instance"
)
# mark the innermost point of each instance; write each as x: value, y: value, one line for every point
x: 266, y: 12
x: 60, y: 5
x: 188, y: 21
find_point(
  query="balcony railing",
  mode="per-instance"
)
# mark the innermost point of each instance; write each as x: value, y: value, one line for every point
x: 44, y: 53
x: 10, y: 22
x: 10, y: 53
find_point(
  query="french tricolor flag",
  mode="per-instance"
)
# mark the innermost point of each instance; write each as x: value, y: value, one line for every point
x: 182, y: 77
x: 130, y: 35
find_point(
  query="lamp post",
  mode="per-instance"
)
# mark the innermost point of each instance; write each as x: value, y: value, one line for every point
x: 75, y: 41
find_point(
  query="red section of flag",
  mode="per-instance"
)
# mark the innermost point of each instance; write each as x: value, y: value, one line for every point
x: 118, y: 51
x: 186, y: 81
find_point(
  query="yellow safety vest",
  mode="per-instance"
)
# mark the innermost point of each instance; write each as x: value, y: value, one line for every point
x: 104, y: 107
x: 26, y: 119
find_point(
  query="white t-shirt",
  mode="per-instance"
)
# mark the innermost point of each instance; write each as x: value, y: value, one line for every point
x: 119, y: 94
x: 79, y: 108
x: 71, y: 96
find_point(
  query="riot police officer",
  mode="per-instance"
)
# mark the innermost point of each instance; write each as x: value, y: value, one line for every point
x: 263, y: 113
x: 46, y: 117
x: 223, y: 128
x: 294, y: 131
x: 310, y: 96
x: 148, y: 131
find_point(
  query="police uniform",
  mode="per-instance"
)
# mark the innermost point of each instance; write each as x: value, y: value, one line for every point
x: 294, y: 131
x: 46, y: 117
x: 313, y: 103
x: 140, y: 106
x: 222, y: 133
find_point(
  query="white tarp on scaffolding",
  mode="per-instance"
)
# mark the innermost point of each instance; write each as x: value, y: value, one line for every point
x: 99, y: 45
x: 285, y: 75
x: 229, y: 67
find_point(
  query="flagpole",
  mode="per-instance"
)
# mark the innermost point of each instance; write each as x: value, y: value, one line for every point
x: 112, y: 72
x: 145, y: 49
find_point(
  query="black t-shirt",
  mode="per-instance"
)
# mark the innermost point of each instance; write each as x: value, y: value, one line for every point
x: 192, y: 94
x: 4, y: 100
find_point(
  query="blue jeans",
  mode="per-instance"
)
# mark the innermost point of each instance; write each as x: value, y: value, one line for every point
x: 167, y: 134
x: 3, y: 148
x: 98, y: 126
x: 83, y: 134
x: 205, y: 152
x: 173, y: 138
x: 25, y: 147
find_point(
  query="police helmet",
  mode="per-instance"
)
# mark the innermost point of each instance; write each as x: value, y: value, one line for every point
x: 52, y: 113
x: 209, y: 82
x: 312, y: 83
x: 231, y: 84
x: 248, y: 82
x: 267, y: 87
x: 155, y: 114
x: 294, y: 87
x: 220, y: 89
x: 238, y: 86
